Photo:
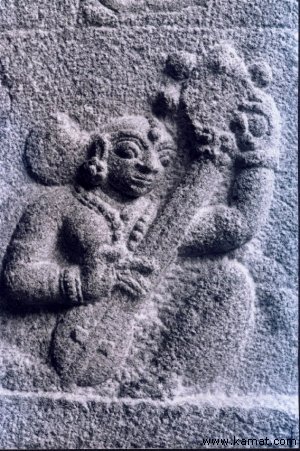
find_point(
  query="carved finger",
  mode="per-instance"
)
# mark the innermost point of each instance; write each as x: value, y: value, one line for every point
x: 143, y: 266
x: 130, y: 285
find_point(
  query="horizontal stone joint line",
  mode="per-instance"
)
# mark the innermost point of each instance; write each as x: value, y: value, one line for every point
x: 287, y: 403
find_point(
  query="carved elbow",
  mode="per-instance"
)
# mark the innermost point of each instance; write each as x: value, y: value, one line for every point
x: 239, y: 235
x: 13, y: 284
x: 235, y: 228
x: 22, y: 284
x: 229, y: 230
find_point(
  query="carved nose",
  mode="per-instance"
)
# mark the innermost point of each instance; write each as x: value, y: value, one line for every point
x: 146, y: 169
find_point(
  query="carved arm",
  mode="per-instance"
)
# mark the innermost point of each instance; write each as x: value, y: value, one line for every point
x: 221, y: 228
x: 31, y: 273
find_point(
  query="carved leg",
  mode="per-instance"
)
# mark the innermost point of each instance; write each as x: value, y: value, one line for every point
x: 208, y: 327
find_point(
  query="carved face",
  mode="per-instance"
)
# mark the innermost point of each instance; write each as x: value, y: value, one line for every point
x: 257, y: 124
x: 137, y: 160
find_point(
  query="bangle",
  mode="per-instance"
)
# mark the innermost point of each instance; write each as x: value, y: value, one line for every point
x: 71, y: 286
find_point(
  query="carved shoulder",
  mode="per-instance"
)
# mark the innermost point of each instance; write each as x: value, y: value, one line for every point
x: 44, y: 213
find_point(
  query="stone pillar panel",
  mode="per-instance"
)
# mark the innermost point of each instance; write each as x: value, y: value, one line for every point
x: 148, y: 233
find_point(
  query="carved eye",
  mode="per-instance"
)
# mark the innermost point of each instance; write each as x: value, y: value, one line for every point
x: 258, y: 126
x: 127, y: 150
x: 165, y: 160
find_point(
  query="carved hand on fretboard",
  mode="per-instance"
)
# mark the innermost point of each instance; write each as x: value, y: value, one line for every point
x: 132, y: 276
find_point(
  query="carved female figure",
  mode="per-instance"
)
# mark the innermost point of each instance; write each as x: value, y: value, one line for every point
x: 66, y: 244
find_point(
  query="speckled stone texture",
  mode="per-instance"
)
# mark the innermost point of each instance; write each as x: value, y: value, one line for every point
x: 148, y: 223
x: 77, y: 424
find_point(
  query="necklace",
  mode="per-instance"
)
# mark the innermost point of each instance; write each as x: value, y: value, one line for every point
x: 97, y: 204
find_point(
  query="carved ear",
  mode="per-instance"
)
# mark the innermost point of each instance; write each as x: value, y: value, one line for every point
x: 98, y: 147
x: 94, y: 170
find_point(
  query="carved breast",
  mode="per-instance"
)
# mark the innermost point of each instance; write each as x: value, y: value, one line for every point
x: 85, y: 231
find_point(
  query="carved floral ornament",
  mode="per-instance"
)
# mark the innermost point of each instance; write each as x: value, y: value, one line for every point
x: 99, y: 243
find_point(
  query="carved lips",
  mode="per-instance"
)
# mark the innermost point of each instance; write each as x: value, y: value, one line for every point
x: 142, y: 181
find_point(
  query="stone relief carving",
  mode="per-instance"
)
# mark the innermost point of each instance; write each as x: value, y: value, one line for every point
x: 97, y: 246
x: 108, y: 12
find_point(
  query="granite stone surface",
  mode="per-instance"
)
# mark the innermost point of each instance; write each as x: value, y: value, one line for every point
x: 148, y: 223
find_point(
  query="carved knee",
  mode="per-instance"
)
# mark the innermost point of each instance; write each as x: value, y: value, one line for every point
x: 209, y: 324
